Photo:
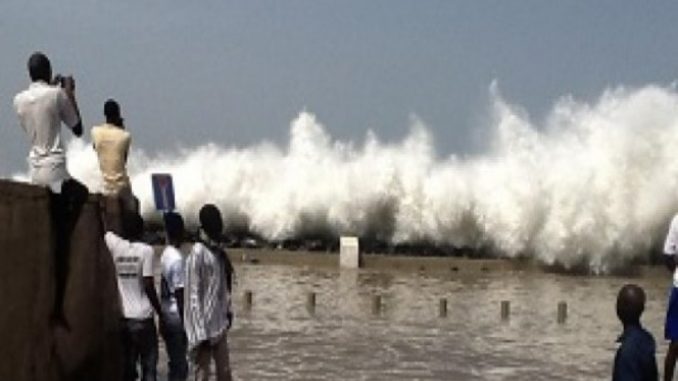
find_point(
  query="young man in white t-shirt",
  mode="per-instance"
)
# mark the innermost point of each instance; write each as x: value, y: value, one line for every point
x: 671, y: 325
x: 172, y: 299
x: 134, y: 267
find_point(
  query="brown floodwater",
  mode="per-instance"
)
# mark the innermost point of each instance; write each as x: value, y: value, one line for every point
x: 345, y: 338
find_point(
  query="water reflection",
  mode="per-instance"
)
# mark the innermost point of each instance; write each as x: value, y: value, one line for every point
x: 344, y: 339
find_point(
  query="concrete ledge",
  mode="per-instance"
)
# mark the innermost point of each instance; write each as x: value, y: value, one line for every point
x: 34, y: 345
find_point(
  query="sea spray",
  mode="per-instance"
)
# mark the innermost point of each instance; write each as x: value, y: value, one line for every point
x: 594, y: 183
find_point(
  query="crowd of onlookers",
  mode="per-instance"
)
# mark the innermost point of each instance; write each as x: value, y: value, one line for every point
x: 194, y: 305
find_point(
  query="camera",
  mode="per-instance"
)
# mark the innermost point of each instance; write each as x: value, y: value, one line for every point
x: 63, y: 81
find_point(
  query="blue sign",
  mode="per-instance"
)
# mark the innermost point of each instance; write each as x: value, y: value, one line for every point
x: 163, y: 192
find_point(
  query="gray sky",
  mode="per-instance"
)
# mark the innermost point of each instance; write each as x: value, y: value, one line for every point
x: 236, y: 73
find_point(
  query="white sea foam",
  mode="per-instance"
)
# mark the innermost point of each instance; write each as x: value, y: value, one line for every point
x: 595, y: 183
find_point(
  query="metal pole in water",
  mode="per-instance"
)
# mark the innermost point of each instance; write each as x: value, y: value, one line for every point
x: 376, y: 305
x: 310, y: 303
x: 248, y: 300
x: 505, y: 309
x: 442, y: 308
x: 562, y: 312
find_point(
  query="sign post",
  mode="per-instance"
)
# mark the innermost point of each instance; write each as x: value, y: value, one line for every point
x: 163, y: 192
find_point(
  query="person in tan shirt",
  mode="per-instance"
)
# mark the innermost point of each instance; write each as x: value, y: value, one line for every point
x: 111, y: 143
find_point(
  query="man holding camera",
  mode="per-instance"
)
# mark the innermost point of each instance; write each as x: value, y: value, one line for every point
x: 41, y: 109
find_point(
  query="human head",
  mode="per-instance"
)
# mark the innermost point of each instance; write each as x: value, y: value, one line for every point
x: 133, y: 226
x: 210, y: 221
x: 630, y: 304
x: 174, y: 227
x: 39, y: 67
x: 112, y: 113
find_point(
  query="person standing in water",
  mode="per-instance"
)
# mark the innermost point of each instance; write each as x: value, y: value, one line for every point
x: 208, y: 315
x: 635, y: 359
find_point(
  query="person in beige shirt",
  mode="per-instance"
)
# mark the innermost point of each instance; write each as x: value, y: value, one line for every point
x: 111, y: 143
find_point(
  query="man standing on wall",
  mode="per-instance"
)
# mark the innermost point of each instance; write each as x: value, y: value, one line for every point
x: 111, y: 143
x: 208, y: 316
x: 41, y: 109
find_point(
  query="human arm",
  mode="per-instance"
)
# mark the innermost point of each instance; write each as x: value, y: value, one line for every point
x: 148, y: 281
x: 670, y: 262
x: 149, y: 289
x: 671, y: 245
x: 68, y: 106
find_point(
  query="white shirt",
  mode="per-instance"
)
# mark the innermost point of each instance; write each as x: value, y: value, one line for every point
x: 172, y: 264
x: 41, y: 109
x: 671, y: 245
x: 133, y: 262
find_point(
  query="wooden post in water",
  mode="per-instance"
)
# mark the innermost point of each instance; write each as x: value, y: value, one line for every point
x: 442, y: 308
x: 248, y: 300
x: 376, y: 305
x: 310, y: 303
x: 505, y: 309
x: 562, y: 312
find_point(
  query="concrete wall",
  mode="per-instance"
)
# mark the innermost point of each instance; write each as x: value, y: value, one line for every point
x: 32, y: 346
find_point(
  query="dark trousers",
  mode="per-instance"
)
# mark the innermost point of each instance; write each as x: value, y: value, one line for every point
x: 65, y: 211
x: 176, y: 343
x: 140, y: 345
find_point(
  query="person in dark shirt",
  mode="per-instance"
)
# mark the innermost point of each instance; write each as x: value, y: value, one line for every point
x: 635, y: 359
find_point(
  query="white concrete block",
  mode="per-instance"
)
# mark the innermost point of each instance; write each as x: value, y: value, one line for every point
x: 349, y: 252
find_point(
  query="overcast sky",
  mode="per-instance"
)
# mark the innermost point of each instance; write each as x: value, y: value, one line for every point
x: 236, y: 73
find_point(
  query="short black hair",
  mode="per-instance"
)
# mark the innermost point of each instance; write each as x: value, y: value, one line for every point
x: 132, y: 225
x: 39, y: 67
x: 210, y: 220
x: 174, y: 225
x: 630, y: 304
x: 112, y: 110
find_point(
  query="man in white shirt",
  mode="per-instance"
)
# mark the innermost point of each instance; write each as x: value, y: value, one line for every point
x: 111, y: 143
x: 134, y: 266
x: 41, y: 109
x: 671, y: 325
x: 209, y: 281
x: 172, y: 299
